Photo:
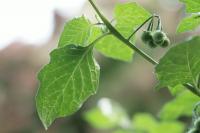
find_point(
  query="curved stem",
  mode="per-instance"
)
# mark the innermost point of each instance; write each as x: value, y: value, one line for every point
x: 150, y: 18
x: 139, y: 27
x: 120, y: 37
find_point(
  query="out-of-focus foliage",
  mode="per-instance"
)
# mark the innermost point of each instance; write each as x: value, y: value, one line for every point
x: 182, y: 105
x: 143, y: 122
x: 108, y: 114
x: 192, y: 6
x: 193, y: 20
x: 189, y: 23
x: 99, y: 117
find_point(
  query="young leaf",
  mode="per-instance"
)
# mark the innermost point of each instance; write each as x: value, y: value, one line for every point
x: 145, y: 123
x: 66, y: 82
x: 76, y: 31
x: 189, y: 23
x: 180, y: 65
x: 192, y: 6
x: 182, y: 105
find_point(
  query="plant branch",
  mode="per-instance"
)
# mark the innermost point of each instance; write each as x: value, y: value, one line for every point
x: 120, y: 37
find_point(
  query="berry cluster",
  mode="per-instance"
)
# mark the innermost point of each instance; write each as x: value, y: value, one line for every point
x: 155, y: 38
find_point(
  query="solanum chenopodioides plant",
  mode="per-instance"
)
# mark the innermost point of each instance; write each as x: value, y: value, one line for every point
x: 72, y: 74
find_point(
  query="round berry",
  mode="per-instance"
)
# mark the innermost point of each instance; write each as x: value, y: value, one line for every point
x: 165, y: 43
x: 146, y: 36
x: 152, y: 44
x: 158, y: 37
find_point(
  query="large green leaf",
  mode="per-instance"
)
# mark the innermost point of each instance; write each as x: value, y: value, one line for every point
x: 66, y: 82
x: 180, y: 65
x: 189, y: 23
x: 146, y: 123
x: 128, y: 17
x: 192, y: 6
x: 182, y: 105
x: 76, y: 31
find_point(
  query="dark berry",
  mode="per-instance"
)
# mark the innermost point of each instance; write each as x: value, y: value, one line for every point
x: 158, y: 37
x: 146, y: 36
x: 165, y: 43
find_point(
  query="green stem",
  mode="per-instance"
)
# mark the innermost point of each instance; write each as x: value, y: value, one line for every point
x: 150, y: 25
x: 120, y: 37
x: 140, y: 27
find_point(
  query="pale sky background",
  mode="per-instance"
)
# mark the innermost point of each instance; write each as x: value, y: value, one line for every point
x: 31, y: 21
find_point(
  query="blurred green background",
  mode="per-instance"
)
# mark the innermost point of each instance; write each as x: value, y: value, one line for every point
x: 129, y: 84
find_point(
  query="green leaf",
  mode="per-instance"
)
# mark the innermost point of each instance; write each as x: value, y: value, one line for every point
x: 182, y: 105
x: 180, y: 65
x: 192, y: 6
x: 143, y: 122
x: 177, y: 89
x: 193, y: 21
x: 112, y: 47
x: 76, y: 31
x: 107, y: 115
x: 128, y: 17
x: 189, y: 23
x: 66, y: 82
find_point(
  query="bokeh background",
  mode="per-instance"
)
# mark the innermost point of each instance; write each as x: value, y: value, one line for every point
x: 30, y: 29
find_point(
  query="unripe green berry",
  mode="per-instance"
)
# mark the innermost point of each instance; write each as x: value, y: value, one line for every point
x: 152, y: 44
x: 165, y: 43
x: 158, y: 37
x: 146, y: 36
